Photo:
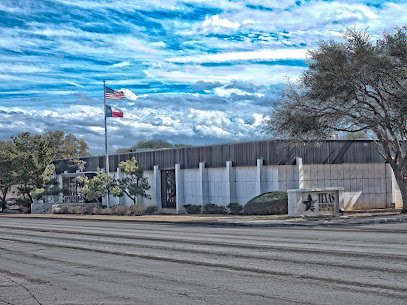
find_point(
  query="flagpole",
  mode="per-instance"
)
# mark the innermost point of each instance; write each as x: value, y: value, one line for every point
x: 107, y: 154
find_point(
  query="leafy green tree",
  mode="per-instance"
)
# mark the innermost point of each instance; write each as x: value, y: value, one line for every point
x: 350, y: 86
x: 7, y: 173
x: 152, y: 144
x: 32, y: 164
x: 98, y: 186
x: 52, y: 187
x: 134, y: 184
x: 26, y: 162
x: 359, y: 135
x: 66, y: 145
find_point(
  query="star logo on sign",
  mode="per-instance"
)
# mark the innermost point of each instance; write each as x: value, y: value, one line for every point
x: 309, y: 203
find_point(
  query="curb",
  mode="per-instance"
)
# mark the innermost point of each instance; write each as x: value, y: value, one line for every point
x: 347, y: 222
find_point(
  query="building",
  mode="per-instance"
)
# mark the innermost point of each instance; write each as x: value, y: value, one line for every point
x: 237, y: 172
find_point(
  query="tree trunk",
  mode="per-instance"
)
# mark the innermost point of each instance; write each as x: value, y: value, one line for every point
x: 402, y: 183
x: 403, y: 191
x: 4, y: 195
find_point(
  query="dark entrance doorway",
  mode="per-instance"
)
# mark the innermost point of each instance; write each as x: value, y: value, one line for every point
x: 168, y: 190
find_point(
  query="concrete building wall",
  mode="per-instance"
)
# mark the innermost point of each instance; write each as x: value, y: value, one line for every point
x: 366, y: 186
x: 286, y: 177
x: 191, y: 186
x: 217, y: 186
x: 125, y: 200
x: 245, y: 183
x: 271, y: 177
x: 150, y: 176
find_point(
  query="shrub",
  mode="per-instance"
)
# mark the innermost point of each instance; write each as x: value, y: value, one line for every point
x: 121, y: 210
x: 193, y: 209
x: 211, y: 208
x: 70, y: 210
x: 235, y: 208
x: 78, y: 210
x: 61, y: 210
x: 273, y: 203
x: 138, y: 209
x: 96, y: 210
x: 88, y: 210
x: 151, y: 209
x: 106, y: 211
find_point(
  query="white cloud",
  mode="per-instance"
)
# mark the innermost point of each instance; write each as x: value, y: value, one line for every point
x: 139, y: 46
x: 269, y: 54
x: 131, y: 96
x: 215, y: 21
x: 21, y: 68
x: 258, y: 74
x: 248, y: 21
x: 213, y: 131
x: 121, y: 64
x: 74, y: 84
x: 227, y: 92
x: 258, y: 119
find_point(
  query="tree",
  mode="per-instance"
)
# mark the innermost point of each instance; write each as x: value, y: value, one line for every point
x: 52, y: 187
x: 7, y: 173
x: 359, y: 135
x: 134, y: 184
x: 32, y: 164
x: 66, y: 145
x: 152, y: 144
x: 351, y: 86
x: 26, y: 161
x: 98, y: 186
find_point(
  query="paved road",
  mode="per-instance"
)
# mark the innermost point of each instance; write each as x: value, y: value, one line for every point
x: 45, y: 261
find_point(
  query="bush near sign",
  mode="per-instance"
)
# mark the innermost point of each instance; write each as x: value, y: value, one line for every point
x: 315, y: 202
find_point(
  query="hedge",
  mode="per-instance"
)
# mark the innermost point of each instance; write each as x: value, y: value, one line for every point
x: 273, y: 203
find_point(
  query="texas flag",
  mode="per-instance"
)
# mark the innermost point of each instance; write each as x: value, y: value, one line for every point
x: 112, y: 112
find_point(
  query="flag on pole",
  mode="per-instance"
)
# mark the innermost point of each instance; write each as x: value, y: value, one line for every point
x: 113, y: 112
x: 114, y: 95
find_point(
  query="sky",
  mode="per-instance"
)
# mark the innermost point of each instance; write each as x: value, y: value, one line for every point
x: 195, y: 72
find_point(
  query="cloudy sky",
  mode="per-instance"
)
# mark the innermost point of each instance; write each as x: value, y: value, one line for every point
x: 194, y: 71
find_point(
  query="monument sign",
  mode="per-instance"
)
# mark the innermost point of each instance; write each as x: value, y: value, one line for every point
x: 315, y: 202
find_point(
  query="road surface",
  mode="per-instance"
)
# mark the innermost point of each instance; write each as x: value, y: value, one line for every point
x: 46, y: 261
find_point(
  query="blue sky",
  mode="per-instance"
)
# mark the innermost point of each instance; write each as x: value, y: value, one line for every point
x: 194, y: 72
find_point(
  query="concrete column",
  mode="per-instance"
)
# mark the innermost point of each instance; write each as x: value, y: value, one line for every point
x: 61, y: 185
x: 179, y: 186
x: 157, y: 186
x: 203, y: 188
x: 260, y: 177
x: 230, y: 183
x: 121, y: 200
x: 299, y: 173
x: 104, y: 198
x: 60, y: 181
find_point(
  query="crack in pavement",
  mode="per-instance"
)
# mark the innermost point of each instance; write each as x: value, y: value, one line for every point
x: 19, y: 284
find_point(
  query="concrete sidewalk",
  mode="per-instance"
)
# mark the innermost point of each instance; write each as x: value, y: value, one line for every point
x: 351, y: 218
